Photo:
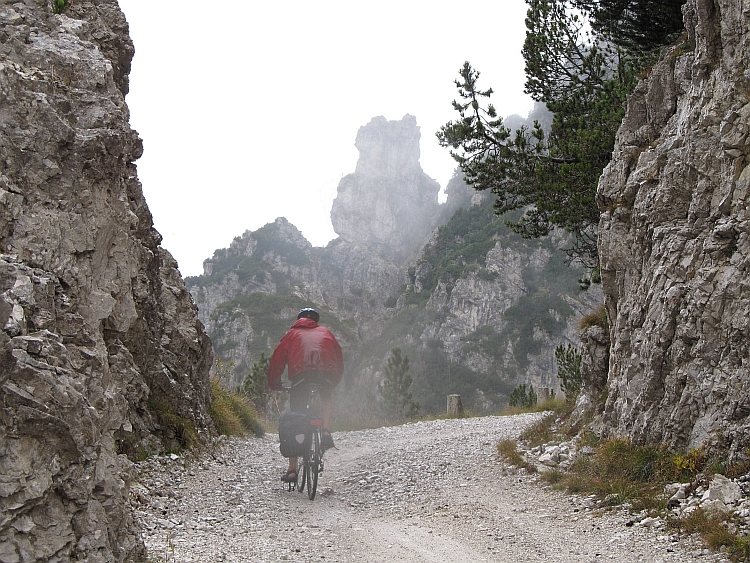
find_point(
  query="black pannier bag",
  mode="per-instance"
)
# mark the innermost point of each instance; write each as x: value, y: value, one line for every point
x: 295, y: 433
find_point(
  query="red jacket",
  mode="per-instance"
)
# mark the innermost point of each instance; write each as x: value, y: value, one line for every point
x: 307, y: 346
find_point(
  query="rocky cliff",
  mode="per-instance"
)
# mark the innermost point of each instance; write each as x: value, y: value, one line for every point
x: 675, y: 242
x: 101, y: 350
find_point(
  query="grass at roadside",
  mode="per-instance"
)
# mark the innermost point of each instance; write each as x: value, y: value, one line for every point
x: 554, y: 405
x: 617, y: 471
x: 718, y: 531
x: 508, y: 450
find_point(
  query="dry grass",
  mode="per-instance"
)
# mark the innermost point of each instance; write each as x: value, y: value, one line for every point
x: 548, y: 428
x: 508, y: 451
x: 718, y: 531
x: 555, y: 405
x: 597, y: 318
x: 233, y: 413
x: 179, y: 432
x: 622, y: 472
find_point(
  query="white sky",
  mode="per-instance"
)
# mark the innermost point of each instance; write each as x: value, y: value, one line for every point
x: 249, y: 110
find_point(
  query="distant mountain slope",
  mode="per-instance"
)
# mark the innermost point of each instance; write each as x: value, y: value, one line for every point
x: 482, y: 312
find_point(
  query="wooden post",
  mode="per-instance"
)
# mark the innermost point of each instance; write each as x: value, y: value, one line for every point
x: 455, y: 408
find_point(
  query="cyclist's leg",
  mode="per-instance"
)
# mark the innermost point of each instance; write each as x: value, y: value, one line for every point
x: 292, y: 469
x: 326, y: 403
x: 326, y: 406
x: 297, y: 403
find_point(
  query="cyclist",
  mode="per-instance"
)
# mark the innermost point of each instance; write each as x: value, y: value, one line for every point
x: 312, y: 355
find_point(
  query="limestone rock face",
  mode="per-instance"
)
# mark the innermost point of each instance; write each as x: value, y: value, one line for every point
x: 389, y: 203
x: 675, y: 241
x: 507, y: 317
x: 96, y: 326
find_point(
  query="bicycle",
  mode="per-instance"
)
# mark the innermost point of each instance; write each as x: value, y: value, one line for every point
x: 312, y: 462
x: 310, y: 465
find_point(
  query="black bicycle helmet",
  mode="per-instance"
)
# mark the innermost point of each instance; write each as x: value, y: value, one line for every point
x: 308, y: 313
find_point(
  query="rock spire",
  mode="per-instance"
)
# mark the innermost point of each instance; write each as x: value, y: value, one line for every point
x: 388, y: 202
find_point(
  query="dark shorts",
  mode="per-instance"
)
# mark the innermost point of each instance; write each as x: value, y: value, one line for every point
x: 301, y: 385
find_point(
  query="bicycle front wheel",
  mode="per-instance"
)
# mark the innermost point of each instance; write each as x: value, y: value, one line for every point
x: 313, y: 467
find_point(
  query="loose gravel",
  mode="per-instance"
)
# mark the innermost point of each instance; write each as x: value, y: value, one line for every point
x: 425, y: 491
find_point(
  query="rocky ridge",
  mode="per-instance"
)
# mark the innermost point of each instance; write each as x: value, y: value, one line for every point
x: 675, y: 244
x: 101, y: 350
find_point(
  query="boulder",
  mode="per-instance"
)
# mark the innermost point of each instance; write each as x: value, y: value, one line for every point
x: 723, y: 489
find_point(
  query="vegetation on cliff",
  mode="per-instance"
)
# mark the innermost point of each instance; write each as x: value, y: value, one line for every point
x: 254, y: 267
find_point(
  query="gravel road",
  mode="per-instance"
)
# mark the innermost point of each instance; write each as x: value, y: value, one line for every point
x: 426, y: 491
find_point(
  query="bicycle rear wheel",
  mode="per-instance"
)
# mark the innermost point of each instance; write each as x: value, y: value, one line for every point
x: 312, y: 468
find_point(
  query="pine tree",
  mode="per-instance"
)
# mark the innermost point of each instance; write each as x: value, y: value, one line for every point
x: 584, y: 78
x: 569, y: 371
x: 520, y: 397
x: 255, y: 385
x: 394, y: 390
x: 636, y: 24
x: 61, y: 6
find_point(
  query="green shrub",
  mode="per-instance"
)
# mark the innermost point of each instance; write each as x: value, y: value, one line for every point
x: 61, y: 6
x: 520, y: 397
x: 394, y: 389
x: 255, y: 385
